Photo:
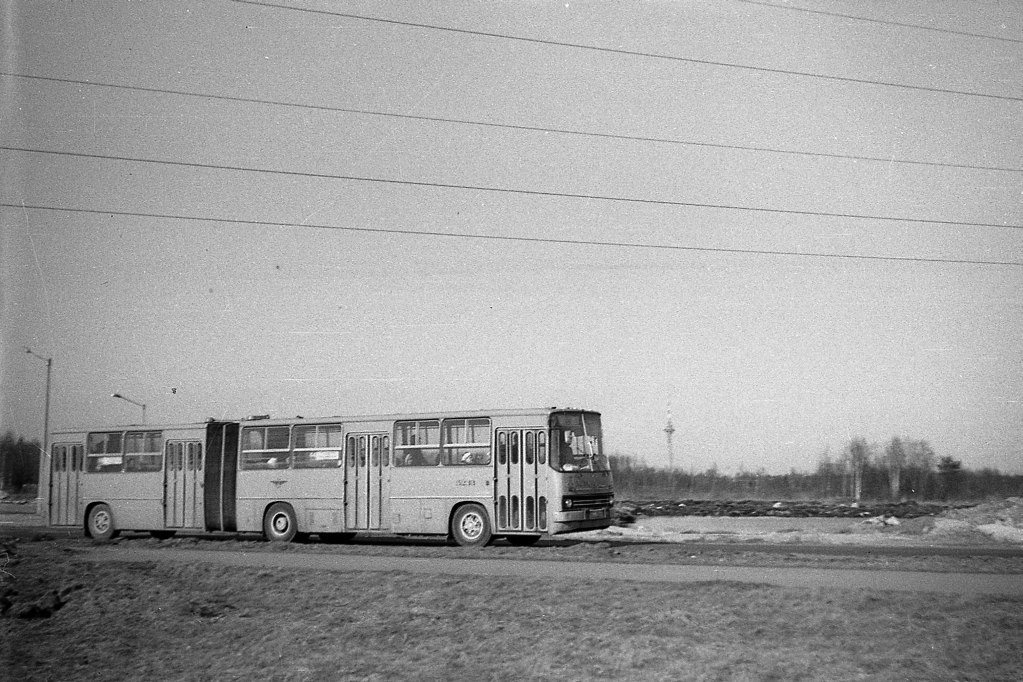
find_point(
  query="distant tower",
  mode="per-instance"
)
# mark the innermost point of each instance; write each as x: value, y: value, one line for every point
x: 668, y: 430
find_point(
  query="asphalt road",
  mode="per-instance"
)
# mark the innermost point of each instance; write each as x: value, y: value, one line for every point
x: 809, y: 578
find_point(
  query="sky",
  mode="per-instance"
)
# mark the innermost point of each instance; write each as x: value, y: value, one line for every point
x: 790, y: 228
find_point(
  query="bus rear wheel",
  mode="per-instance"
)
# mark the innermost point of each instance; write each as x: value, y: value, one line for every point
x: 101, y: 523
x: 470, y: 526
x: 279, y: 523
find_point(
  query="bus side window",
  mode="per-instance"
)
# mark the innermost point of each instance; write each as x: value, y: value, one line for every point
x: 143, y: 451
x: 417, y: 443
x: 466, y: 441
x: 105, y: 452
x: 266, y: 447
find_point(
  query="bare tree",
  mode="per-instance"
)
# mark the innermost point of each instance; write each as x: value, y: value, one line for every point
x: 895, y: 460
x: 919, y: 465
x: 858, y: 455
x: 827, y: 472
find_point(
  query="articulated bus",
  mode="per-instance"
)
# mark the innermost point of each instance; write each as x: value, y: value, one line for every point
x: 471, y: 476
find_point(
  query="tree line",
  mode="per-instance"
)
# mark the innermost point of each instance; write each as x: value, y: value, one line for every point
x: 900, y: 469
x: 19, y: 462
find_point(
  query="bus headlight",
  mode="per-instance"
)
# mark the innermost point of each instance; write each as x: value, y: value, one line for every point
x: 567, y: 503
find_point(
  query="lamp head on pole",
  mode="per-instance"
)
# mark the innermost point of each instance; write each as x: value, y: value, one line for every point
x: 133, y: 402
x: 36, y: 355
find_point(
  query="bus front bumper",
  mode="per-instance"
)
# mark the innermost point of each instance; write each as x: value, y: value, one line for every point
x: 581, y: 519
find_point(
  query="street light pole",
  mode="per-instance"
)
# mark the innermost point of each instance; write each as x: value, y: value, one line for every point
x: 133, y: 402
x: 46, y: 410
x: 44, y: 468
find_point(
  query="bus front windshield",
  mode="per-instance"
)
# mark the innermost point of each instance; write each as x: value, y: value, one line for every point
x: 576, y: 442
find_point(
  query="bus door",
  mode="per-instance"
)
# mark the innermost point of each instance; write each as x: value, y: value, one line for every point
x: 182, y: 484
x: 66, y: 463
x: 519, y: 480
x: 366, y: 493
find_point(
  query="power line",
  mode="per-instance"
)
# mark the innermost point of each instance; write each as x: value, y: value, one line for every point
x: 636, y: 53
x: 886, y: 22
x: 512, y: 126
x: 508, y: 190
x: 542, y: 240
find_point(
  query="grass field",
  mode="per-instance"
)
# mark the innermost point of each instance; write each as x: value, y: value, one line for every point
x: 156, y: 621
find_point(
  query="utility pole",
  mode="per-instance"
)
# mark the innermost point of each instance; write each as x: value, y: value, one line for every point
x: 668, y: 430
x: 44, y: 467
x: 46, y: 410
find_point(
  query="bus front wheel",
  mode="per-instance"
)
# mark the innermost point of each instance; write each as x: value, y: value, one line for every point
x: 279, y: 524
x: 470, y: 526
x: 101, y: 523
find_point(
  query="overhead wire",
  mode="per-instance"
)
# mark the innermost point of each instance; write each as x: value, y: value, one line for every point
x: 511, y: 126
x: 509, y: 238
x: 884, y: 22
x: 506, y: 190
x: 536, y: 129
x: 635, y: 53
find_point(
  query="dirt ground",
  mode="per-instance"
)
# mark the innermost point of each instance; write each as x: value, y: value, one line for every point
x: 66, y: 617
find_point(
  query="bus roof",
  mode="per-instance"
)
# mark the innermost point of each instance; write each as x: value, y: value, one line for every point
x: 267, y: 419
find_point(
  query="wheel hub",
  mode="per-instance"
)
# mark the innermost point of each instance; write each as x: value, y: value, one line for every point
x: 472, y: 526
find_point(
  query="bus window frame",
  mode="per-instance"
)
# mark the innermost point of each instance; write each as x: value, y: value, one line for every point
x: 417, y: 453
x: 145, y: 460
x: 94, y: 463
x: 301, y: 458
x: 248, y: 459
x: 465, y: 452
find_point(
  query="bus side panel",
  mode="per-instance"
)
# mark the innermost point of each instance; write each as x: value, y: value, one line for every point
x: 141, y: 506
x: 314, y: 494
x: 319, y: 508
x: 135, y: 499
x: 220, y: 476
x: 422, y: 497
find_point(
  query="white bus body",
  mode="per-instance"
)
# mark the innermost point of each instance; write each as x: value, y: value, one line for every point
x: 518, y: 474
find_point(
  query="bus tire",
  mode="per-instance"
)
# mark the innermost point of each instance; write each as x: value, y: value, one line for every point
x: 279, y: 523
x: 470, y: 526
x: 522, y: 540
x: 100, y: 524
